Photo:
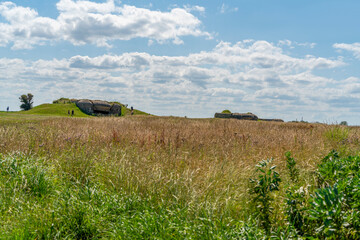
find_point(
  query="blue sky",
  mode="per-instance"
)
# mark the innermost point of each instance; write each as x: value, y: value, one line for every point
x: 275, y: 58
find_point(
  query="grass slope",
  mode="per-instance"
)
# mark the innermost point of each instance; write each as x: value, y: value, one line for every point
x: 56, y: 110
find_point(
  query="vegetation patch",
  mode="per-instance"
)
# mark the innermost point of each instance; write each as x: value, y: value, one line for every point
x: 173, y: 178
x: 56, y: 110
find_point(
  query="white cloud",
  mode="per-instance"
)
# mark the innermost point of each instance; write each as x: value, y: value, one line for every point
x: 195, y: 8
x: 225, y: 9
x: 256, y: 76
x: 354, y: 48
x: 293, y: 44
x: 84, y: 22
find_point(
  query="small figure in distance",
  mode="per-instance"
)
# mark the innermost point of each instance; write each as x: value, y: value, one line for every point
x: 72, y: 113
x: 68, y: 112
x: 7, y: 109
x: 132, y: 110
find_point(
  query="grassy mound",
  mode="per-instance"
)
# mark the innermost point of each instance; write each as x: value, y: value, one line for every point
x: 124, y: 110
x: 56, y: 110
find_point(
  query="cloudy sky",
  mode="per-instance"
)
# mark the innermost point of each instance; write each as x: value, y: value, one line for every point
x: 275, y: 58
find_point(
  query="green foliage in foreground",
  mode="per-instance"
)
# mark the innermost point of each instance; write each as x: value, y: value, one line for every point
x: 263, y: 185
x: 329, y: 211
x: 40, y: 201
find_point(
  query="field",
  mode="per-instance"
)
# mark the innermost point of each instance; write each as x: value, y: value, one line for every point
x: 147, y: 177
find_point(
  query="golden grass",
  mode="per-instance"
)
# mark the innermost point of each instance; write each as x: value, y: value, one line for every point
x: 193, y: 161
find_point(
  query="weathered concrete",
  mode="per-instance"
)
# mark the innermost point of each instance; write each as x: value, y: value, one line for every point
x: 101, y: 106
x: 86, y: 106
x: 115, y: 109
x: 241, y: 116
x: 98, y: 107
x: 245, y: 116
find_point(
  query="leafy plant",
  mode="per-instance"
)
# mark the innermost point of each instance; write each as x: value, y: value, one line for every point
x: 296, y: 208
x: 267, y: 181
x: 333, y: 168
x: 291, y: 166
x: 327, y: 211
x: 335, y: 208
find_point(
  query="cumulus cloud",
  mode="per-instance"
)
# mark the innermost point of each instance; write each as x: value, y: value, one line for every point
x: 86, y: 22
x: 354, y: 48
x: 256, y: 76
x: 233, y: 57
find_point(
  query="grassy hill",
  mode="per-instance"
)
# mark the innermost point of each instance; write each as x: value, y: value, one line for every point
x: 124, y: 110
x: 56, y: 110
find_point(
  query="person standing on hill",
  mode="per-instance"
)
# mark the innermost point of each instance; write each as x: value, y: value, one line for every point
x: 7, y: 109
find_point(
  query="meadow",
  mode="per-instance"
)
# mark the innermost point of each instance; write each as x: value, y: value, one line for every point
x: 147, y: 177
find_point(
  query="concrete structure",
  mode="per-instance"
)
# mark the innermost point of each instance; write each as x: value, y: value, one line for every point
x: 98, y: 107
x: 245, y: 116
x: 241, y: 116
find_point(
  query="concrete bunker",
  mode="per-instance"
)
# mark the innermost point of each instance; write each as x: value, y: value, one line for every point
x: 98, y: 107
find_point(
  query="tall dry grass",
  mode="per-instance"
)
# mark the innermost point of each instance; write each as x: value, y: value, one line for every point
x: 194, y: 162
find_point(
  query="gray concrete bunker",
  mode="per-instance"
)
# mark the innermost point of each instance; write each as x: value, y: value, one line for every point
x: 98, y: 107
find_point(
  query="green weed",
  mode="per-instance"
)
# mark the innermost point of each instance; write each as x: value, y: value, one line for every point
x: 267, y: 181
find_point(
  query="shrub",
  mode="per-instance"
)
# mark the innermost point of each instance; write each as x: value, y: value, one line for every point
x: 335, y: 209
x: 291, y: 166
x: 267, y: 181
x: 62, y: 101
x: 226, y: 111
x: 296, y: 208
x: 344, y: 123
x: 333, y: 168
x: 327, y: 211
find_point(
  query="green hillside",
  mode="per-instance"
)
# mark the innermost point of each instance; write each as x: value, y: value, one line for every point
x: 56, y: 110
x: 60, y: 108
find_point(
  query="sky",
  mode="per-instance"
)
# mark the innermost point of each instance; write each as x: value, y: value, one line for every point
x: 294, y: 60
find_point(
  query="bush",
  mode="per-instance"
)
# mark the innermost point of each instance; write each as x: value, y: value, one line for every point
x: 335, y: 209
x: 291, y: 166
x: 266, y: 182
x: 226, y: 111
x: 344, y: 123
x: 62, y: 101
x: 327, y: 212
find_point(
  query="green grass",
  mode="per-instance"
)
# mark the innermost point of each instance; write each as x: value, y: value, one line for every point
x: 40, y: 113
x: 151, y: 177
x: 127, y: 111
x: 39, y: 202
x: 56, y: 110
x: 44, y: 111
